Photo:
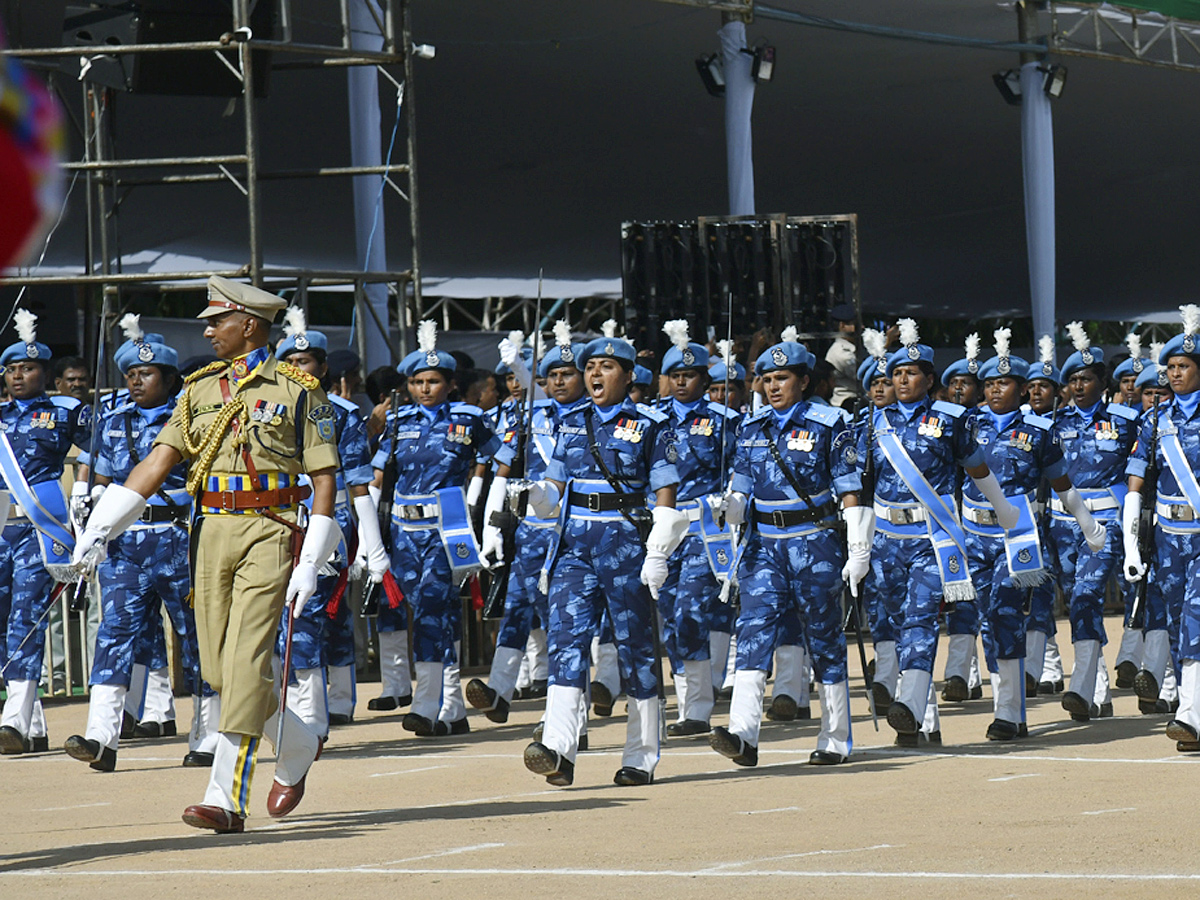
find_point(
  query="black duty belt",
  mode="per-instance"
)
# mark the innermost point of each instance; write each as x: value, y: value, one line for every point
x: 607, y: 502
x: 789, y: 518
x: 154, y: 515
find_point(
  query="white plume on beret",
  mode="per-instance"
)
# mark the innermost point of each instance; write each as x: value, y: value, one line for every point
x: 1191, y: 318
x: 1134, y: 343
x: 677, y: 331
x: 971, y: 345
x: 1078, y: 336
x: 1156, y: 349
x: 426, y: 335
x: 725, y: 351
x: 1046, y: 348
x: 131, y: 326
x: 1003, y: 338
x: 609, y: 328
x: 908, y: 332
x: 26, y: 323
x: 789, y: 334
x: 562, y: 333
x: 294, y: 322
x: 874, y: 342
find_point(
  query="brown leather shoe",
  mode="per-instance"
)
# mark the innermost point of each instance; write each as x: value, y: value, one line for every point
x: 283, y: 799
x: 222, y: 821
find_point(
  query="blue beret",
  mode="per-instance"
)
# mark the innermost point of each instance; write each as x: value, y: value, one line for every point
x: 870, y: 369
x: 962, y: 366
x: 610, y: 347
x: 717, y: 372
x: 1004, y: 367
x: 300, y: 343
x: 1081, y: 359
x: 784, y: 355
x: 21, y: 351
x: 419, y: 361
x: 558, y: 358
x: 1131, y: 366
x: 642, y: 375
x: 1151, y: 377
x: 145, y: 353
x: 1044, y: 371
x: 694, y: 357
x: 908, y: 355
x: 1180, y: 345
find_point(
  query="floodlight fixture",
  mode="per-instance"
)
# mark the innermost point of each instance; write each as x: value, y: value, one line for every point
x: 1054, y: 79
x: 1008, y: 83
x: 712, y: 73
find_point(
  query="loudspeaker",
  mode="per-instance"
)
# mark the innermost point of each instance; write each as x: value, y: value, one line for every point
x: 741, y: 272
x: 661, y: 265
x: 180, y: 73
x: 818, y: 269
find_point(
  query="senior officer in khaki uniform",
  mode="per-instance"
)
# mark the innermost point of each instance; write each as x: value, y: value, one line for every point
x: 249, y: 426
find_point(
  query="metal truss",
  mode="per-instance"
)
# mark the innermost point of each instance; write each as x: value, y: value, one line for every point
x: 1105, y: 31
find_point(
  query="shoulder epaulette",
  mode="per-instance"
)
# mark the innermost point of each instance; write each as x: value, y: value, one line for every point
x: 757, y: 415
x: 338, y: 400
x: 214, y: 366
x: 1037, y: 421
x: 826, y: 415
x: 953, y: 410
x: 466, y: 408
x: 722, y: 410
x: 302, y: 378
x: 65, y: 401
x: 654, y: 415
x: 545, y: 401
x: 1122, y: 411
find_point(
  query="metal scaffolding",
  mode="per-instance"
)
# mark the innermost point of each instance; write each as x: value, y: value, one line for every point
x: 106, y: 178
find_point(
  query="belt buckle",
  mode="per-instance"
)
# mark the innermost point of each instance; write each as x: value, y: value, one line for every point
x: 594, y: 503
x: 228, y: 501
x: 905, y: 516
x: 778, y: 519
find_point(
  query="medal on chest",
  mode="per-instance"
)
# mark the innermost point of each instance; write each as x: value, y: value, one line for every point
x: 1106, y: 431
x: 701, y: 427
x: 800, y: 440
x: 43, y: 420
x: 1021, y: 441
x: 267, y: 413
x: 629, y: 430
x: 459, y: 434
x: 931, y: 426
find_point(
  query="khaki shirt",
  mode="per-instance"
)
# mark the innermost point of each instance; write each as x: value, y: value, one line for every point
x: 273, y: 394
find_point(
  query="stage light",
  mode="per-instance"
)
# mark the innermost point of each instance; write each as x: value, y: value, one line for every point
x: 1055, y: 79
x: 1008, y: 83
x: 763, y: 66
x: 712, y: 74
x: 424, y: 51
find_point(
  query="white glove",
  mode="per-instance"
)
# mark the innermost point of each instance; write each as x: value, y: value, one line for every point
x: 1006, y: 514
x: 119, y: 508
x: 474, y: 489
x: 860, y: 529
x: 1093, y: 532
x: 371, y: 552
x: 493, y: 538
x: 79, y: 506
x: 509, y: 352
x: 654, y: 570
x: 376, y: 494
x: 320, y: 540
x: 1131, y: 511
x: 543, y: 498
x: 670, y: 526
x: 735, y: 508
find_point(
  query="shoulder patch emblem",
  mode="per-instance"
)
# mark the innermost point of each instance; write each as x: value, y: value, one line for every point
x: 322, y: 417
x: 302, y: 378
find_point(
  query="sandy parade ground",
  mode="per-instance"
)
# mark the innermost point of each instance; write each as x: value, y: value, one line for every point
x: 1100, y: 806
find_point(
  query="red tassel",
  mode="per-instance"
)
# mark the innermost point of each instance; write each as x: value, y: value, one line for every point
x: 476, y: 593
x: 339, y: 587
x: 395, y: 596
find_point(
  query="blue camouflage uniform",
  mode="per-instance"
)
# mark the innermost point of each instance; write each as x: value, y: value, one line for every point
x: 435, y: 449
x: 41, y: 432
x: 598, y: 556
x: 147, y: 563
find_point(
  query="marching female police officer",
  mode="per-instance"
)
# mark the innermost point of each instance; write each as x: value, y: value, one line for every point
x: 610, y: 454
x: 36, y: 433
x: 1096, y: 441
x: 145, y: 565
x: 794, y: 459
x: 437, y: 446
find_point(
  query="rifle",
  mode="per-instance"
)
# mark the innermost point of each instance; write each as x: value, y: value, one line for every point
x: 1137, y: 615
x: 854, y: 604
x: 370, y: 601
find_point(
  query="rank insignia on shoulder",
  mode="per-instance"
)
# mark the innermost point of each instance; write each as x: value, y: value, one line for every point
x: 302, y: 378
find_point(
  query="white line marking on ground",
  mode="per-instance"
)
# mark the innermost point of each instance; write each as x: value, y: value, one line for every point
x: 720, y: 867
x: 759, y: 812
x: 618, y: 873
x: 406, y: 771
x: 452, y: 852
x: 64, y: 808
x: 1101, y: 812
x: 1015, y: 777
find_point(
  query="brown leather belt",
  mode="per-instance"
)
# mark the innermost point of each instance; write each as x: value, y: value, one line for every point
x: 236, y: 500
